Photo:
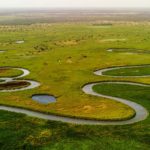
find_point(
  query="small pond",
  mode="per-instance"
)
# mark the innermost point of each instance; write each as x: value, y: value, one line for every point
x: 19, y: 42
x: 44, y: 98
x: 110, y: 50
x: 2, y: 51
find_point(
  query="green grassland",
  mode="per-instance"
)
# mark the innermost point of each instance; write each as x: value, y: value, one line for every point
x: 137, y: 71
x: 125, y: 91
x: 62, y: 57
x: 19, y: 132
x: 5, y: 72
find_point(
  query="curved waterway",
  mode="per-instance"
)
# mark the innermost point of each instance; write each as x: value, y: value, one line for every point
x: 102, y: 71
x: 141, y: 112
x: 25, y: 72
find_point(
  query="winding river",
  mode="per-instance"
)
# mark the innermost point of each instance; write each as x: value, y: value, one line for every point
x: 141, y: 112
x: 101, y: 71
x: 32, y: 84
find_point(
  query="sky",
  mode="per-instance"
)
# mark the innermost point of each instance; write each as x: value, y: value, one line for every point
x: 73, y: 3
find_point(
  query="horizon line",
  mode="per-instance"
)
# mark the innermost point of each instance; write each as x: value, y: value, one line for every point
x: 92, y: 7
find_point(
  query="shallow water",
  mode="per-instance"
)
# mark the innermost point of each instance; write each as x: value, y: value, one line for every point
x: 19, y: 42
x: 2, y: 51
x: 44, y: 99
x: 110, y: 50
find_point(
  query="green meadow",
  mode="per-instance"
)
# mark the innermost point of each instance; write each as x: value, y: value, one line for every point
x: 62, y: 58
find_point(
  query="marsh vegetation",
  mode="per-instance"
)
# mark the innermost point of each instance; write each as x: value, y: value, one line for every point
x: 62, y: 58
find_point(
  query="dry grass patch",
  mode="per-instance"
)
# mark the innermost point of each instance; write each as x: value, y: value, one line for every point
x: 66, y: 43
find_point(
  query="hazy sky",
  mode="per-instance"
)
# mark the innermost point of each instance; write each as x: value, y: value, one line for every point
x: 74, y: 3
